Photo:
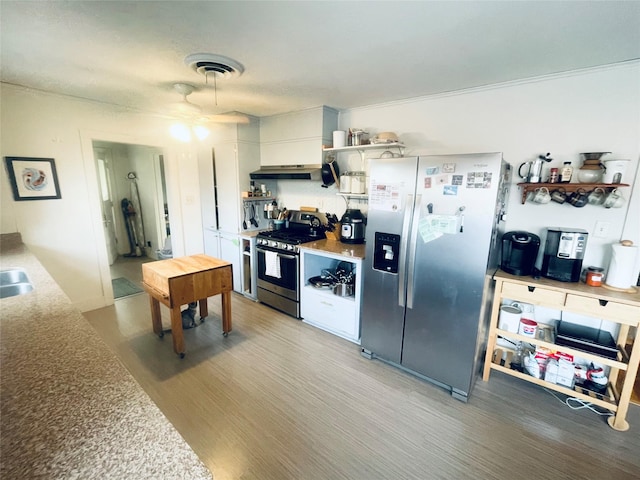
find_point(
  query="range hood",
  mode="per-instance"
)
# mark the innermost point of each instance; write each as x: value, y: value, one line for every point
x: 288, y: 172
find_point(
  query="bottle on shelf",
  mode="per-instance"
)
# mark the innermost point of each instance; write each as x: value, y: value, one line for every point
x: 566, y: 173
x: 553, y: 175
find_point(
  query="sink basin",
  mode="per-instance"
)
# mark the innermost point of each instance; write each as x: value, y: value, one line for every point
x: 14, y: 281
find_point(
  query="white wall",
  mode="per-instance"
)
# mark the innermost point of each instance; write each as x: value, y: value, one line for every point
x: 66, y: 234
x: 593, y: 110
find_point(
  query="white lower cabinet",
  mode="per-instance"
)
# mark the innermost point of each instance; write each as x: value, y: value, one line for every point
x: 320, y: 307
x: 230, y: 251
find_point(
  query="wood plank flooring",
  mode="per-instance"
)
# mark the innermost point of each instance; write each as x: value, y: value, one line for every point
x: 278, y: 399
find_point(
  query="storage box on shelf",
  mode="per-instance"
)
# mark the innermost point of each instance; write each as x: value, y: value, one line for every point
x: 618, y: 307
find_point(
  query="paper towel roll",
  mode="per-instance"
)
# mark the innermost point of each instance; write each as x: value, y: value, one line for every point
x: 622, y: 266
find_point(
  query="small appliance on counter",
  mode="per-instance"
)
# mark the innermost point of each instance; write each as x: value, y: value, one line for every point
x: 519, y: 252
x: 563, y: 253
x: 352, y: 226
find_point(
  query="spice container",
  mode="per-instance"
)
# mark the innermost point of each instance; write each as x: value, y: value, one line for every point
x: 553, y: 175
x: 594, y: 276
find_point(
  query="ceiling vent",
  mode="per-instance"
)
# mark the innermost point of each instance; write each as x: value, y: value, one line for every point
x: 210, y: 64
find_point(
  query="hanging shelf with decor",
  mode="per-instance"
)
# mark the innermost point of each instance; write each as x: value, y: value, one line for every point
x: 568, y: 187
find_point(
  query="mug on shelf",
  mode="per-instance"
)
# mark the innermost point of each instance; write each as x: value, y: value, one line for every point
x: 597, y: 196
x: 541, y: 195
x: 559, y: 195
x: 614, y: 199
x: 579, y: 198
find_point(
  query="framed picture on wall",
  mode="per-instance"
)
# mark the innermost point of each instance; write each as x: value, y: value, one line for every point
x: 33, y: 178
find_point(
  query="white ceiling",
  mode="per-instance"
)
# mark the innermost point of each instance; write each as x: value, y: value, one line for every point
x: 304, y: 54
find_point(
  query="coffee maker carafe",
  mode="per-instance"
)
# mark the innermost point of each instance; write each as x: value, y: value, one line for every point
x: 563, y: 254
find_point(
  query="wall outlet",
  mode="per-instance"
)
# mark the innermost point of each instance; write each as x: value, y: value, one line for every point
x: 602, y: 229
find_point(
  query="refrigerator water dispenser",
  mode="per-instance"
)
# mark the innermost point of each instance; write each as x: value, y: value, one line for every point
x: 386, y: 252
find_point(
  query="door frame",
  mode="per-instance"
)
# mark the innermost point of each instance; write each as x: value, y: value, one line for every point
x: 87, y: 139
x: 111, y: 239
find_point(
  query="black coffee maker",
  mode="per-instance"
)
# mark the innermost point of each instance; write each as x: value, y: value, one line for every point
x: 519, y: 252
x: 563, y: 253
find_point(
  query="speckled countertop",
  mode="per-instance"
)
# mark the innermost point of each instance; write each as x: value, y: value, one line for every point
x: 69, y: 408
x: 348, y: 250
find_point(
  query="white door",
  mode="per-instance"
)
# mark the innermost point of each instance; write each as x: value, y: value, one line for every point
x: 108, y: 216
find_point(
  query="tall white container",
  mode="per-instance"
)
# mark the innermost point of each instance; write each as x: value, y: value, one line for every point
x: 614, y: 170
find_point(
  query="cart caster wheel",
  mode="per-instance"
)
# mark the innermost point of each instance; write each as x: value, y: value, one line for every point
x: 161, y: 335
x: 225, y: 334
x: 181, y: 355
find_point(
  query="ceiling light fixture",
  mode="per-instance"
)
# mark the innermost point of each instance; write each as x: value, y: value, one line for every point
x: 184, y: 133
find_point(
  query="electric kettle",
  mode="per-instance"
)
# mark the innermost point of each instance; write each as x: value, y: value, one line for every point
x: 352, y: 226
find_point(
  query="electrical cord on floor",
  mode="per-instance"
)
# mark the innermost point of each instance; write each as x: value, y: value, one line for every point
x: 581, y: 404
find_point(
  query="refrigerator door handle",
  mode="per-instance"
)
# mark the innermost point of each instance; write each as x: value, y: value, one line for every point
x: 412, y: 250
x: 406, y: 222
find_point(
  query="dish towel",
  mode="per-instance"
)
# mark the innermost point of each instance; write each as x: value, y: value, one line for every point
x: 272, y: 264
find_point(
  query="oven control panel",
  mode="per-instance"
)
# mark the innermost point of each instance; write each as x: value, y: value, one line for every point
x: 278, y: 245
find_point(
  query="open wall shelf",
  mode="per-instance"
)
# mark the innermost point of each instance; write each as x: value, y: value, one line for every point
x: 568, y: 187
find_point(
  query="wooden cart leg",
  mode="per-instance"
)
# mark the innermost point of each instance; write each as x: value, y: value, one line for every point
x: 226, y: 312
x: 619, y: 421
x: 204, y: 309
x: 176, y: 331
x: 156, y: 319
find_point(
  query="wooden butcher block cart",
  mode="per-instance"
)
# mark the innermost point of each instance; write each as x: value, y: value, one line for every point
x: 180, y: 281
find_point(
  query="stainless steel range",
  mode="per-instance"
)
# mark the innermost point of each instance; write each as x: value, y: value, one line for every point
x: 279, y: 260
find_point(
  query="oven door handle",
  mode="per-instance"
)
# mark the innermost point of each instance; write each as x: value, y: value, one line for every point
x: 288, y: 257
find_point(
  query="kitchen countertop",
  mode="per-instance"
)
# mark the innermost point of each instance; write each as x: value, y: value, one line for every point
x: 336, y: 247
x: 69, y: 408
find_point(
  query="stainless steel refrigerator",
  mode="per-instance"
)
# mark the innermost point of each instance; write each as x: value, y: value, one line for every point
x: 431, y: 247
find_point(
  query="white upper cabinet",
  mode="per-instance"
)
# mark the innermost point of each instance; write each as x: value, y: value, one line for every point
x: 296, y: 138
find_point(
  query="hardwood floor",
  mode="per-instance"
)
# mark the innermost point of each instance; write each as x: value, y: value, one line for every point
x: 278, y: 399
x: 129, y: 268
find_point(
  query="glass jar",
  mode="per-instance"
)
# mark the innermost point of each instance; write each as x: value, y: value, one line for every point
x: 594, y: 276
x: 358, y: 181
x: 345, y: 182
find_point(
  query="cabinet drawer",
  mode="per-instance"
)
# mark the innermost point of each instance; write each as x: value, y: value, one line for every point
x: 619, y: 312
x: 539, y: 296
x: 330, y: 312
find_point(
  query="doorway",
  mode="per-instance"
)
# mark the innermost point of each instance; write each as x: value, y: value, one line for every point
x: 134, y: 209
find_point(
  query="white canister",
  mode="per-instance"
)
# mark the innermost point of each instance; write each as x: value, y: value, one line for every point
x: 614, y: 170
x: 339, y: 138
x: 510, y: 318
x: 358, y: 181
x: 528, y: 327
x: 345, y: 182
